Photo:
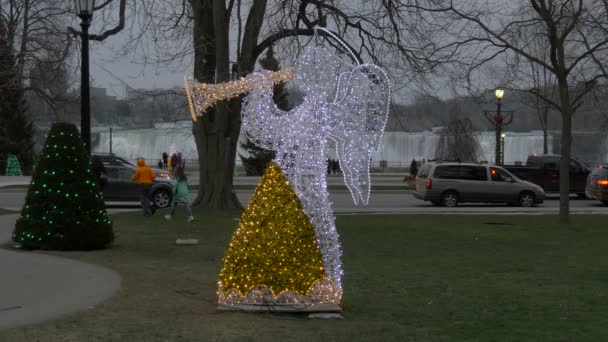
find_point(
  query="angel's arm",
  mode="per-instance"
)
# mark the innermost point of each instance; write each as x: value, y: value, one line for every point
x: 263, y: 122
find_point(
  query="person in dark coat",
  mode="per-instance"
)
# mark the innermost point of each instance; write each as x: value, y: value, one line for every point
x: 165, y: 160
x: 334, y: 166
x: 180, y: 160
x: 99, y: 172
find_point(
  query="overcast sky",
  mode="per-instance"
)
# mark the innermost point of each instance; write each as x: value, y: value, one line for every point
x: 115, y: 72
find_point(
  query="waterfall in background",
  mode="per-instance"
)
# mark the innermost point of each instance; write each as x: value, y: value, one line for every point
x: 397, y: 148
x: 149, y: 143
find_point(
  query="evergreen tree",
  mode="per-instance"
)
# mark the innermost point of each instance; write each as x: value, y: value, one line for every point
x: 12, y: 166
x: 64, y: 208
x: 269, y: 62
x: 16, y: 130
x: 259, y: 158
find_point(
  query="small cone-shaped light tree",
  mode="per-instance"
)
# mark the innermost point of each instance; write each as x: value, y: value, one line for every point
x: 274, y: 247
x: 64, y: 208
x: 12, y: 166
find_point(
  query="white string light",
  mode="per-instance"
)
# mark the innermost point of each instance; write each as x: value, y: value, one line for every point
x: 202, y: 96
x: 343, y: 102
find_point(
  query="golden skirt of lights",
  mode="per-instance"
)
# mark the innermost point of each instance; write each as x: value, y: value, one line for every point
x: 273, y: 257
x: 202, y: 96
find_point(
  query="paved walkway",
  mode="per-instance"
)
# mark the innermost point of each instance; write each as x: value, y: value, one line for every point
x: 36, y: 287
x: 14, y: 180
x: 378, y: 180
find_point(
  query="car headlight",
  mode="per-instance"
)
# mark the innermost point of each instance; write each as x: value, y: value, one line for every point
x: 164, y: 175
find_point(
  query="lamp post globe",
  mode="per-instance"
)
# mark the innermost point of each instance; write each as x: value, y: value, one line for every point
x: 499, y: 93
x: 84, y: 10
x: 84, y: 7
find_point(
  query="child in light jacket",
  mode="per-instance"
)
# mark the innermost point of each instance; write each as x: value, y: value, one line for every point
x: 180, y: 194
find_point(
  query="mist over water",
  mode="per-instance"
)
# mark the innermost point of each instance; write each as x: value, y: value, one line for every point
x: 397, y: 148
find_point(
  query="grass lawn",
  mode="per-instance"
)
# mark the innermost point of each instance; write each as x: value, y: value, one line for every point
x: 407, y: 278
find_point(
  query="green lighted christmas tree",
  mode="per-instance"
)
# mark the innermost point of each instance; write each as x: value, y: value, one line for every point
x: 64, y: 208
x: 12, y: 166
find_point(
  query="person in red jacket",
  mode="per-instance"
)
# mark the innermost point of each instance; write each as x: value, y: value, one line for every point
x: 174, y: 161
x: 144, y: 176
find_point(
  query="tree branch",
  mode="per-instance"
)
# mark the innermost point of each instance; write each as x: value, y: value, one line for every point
x: 119, y: 27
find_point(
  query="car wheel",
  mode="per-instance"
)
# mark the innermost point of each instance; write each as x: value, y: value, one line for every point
x: 526, y: 199
x: 605, y: 202
x: 449, y: 199
x: 161, y: 198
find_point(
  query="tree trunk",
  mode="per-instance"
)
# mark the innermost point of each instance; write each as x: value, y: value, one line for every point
x: 24, y: 41
x: 564, y: 168
x: 214, y: 135
x: 545, y: 129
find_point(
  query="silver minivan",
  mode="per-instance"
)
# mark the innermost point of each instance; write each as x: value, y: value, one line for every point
x: 448, y: 184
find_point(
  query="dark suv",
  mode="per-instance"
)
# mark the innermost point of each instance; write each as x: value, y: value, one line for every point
x: 597, y: 184
x: 120, y: 187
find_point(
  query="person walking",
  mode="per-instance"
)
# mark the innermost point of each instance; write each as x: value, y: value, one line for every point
x: 180, y: 160
x: 144, y: 176
x: 174, y: 162
x: 165, y: 160
x: 180, y: 194
x: 334, y: 166
x: 99, y: 172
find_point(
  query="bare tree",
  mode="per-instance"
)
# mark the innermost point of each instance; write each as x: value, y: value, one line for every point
x: 544, y: 85
x: 458, y: 141
x: 479, y: 35
x: 38, y: 37
x: 173, y: 30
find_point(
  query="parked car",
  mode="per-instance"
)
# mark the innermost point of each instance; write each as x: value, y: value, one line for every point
x: 448, y: 184
x: 597, y: 184
x: 120, y: 187
x: 543, y: 169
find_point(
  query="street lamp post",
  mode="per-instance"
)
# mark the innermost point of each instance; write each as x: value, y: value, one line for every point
x: 502, y: 143
x: 499, y: 121
x: 84, y: 10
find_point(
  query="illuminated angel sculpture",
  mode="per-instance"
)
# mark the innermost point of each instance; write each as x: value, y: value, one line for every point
x: 346, y: 106
x: 343, y: 102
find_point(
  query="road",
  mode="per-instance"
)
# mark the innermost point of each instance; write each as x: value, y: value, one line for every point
x: 386, y: 202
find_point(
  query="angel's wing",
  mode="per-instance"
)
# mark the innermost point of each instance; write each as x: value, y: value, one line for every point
x: 358, y: 117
